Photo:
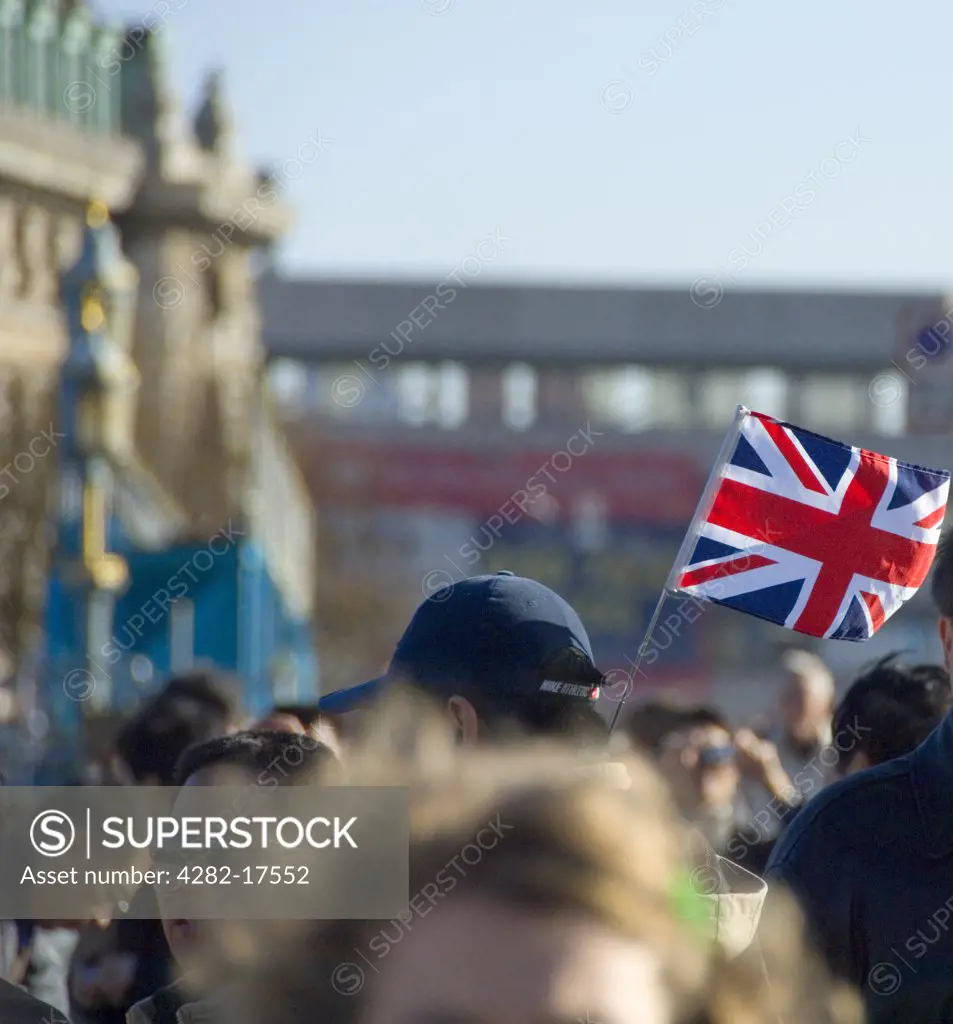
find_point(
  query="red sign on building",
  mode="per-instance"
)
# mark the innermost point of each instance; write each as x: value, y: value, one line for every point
x: 531, y: 511
x: 635, y: 486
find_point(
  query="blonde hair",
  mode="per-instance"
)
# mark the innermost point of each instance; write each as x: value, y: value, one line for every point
x: 579, y: 837
x: 808, y: 666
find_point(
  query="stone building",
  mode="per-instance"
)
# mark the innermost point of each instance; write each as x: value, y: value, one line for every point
x: 199, y: 214
x: 59, y: 147
x: 87, y: 113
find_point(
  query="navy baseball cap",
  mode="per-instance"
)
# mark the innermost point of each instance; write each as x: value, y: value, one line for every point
x: 503, y: 637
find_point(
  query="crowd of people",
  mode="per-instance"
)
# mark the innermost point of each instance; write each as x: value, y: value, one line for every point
x: 683, y: 869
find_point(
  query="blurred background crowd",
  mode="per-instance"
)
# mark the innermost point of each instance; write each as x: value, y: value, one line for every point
x: 627, y: 889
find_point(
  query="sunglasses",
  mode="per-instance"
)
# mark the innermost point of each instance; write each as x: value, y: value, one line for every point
x: 712, y: 757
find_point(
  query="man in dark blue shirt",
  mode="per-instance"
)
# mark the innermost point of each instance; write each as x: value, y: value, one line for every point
x: 870, y: 860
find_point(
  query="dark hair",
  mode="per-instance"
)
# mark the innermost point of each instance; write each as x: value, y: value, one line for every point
x: 698, y: 717
x: 258, y: 750
x: 941, y: 585
x: 546, y: 715
x: 701, y: 716
x: 532, y: 713
x: 189, y: 709
x: 893, y: 707
x: 654, y: 721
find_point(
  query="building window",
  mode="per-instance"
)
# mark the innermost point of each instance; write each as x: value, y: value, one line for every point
x: 619, y: 398
x: 832, y: 403
x: 7, y: 62
x: 722, y: 391
x: 11, y: 40
x: 453, y: 396
x: 290, y: 384
x: 416, y: 394
x: 889, y: 397
x: 766, y: 390
x: 519, y: 386
x: 72, y: 90
x: 103, y: 115
x: 51, y: 100
x: 635, y: 398
x: 717, y: 393
x: 40, y: 67
x: 433, y: 394
x: 669, y: 399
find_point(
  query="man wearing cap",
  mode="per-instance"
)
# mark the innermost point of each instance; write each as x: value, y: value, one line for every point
x: 495, y: 649
x: 504, y: 649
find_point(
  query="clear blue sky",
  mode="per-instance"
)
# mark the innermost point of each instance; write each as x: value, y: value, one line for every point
x: 508, y: 114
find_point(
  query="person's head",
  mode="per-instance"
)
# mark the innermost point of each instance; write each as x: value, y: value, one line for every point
x: 304, y: 718
x: 576, y: 907
x: 189, y: 709
x: 495, y: 652
x: 697, y: 755
x: 569, y: 912
x: 890, y: 709
x: 572, y: 961
x: 941, y: 589
x: 252, y: 757
x: 807, y: 697
x: 255, y: 755
x: 651, y: 722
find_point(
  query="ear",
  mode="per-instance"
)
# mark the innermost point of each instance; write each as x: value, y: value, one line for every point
x: 464, y: 719
x: 946, y: 639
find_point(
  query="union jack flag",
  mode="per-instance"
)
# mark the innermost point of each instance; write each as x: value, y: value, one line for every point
x: 810, y: 533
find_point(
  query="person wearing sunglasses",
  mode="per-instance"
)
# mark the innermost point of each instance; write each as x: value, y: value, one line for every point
x: 705, y: 763
x: 699, y: 759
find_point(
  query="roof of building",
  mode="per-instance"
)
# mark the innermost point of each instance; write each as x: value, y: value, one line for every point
x: 325, y: 320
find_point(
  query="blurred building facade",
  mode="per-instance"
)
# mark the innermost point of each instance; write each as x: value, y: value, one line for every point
x: 441, y: 401
x: 87, y: 114
x: 53, y: 158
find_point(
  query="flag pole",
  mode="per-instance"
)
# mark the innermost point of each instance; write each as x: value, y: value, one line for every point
x: 669, y: 589
x: 643, y: 649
